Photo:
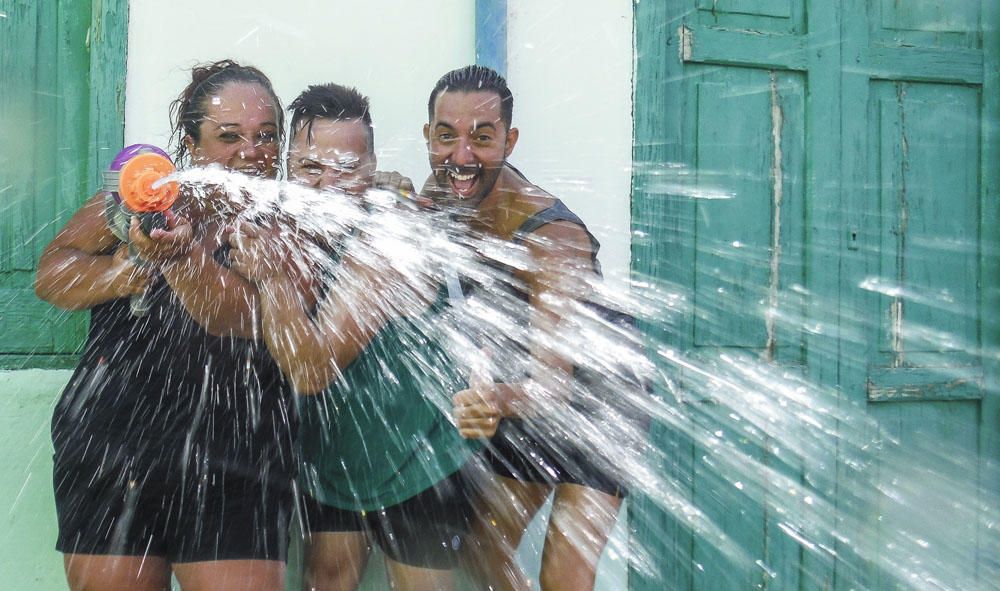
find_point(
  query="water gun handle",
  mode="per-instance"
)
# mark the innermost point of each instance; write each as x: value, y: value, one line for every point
x: 140, y: 304
x: 134, y: 187
x: 152, y: 220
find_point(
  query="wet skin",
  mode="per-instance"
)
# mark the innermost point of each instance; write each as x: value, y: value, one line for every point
x: 468, y: 143
x: 332, y: 154
x: 240, y: 131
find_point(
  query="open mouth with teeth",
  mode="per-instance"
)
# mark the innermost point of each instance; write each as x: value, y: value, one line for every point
x: 463, y: 179
x: 251, y: 170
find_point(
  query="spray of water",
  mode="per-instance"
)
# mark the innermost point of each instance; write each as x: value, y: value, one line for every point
x: 730, y: 459
x: 776, y: 454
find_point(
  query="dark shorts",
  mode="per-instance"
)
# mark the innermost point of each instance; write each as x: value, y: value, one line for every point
x: 425, y: 531
x: 520, y: 451
x: 129, y: 508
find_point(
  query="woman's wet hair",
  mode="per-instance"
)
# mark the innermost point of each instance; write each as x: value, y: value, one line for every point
x: 189, y: 109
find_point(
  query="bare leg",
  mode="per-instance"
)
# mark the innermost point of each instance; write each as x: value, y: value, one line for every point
x: 403, y: 577
x: 582, y: 519
x: 231, y: 575
x: 503, y: 508
x: 94, y: 572
x: 335, y: 561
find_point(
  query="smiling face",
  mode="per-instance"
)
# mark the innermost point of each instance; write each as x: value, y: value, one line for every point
x: 468, y: 143
x: 332, y: 154
x: 239, y: 131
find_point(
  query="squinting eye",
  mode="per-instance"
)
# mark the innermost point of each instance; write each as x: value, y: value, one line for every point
x: 229, y: 137
x: 268, y: 136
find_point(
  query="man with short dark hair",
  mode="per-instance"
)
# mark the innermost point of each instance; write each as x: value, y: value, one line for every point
x: 470, y: 173
x: 333, y: 143
x: 469, y: 138
x: 380, y: 461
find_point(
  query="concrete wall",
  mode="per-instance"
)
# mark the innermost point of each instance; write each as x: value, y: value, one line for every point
x: 570, y: 68
x: 569, y: 65
x: 28, y: 559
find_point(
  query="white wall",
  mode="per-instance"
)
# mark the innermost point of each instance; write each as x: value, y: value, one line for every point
x: 570, y: 69
x: 392, y: 50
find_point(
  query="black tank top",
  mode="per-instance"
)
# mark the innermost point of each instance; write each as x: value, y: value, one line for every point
x: 160, y: 388
x: 508, y: 294
x: 510, y: 355
x: 557, y: 212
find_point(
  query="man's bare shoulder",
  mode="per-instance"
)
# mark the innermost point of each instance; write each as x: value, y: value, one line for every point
x: 521, y: 200
x: 528, y: 195
x: 557, y: 236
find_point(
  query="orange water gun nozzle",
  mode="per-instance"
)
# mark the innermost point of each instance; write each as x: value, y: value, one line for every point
x: 137, y: 183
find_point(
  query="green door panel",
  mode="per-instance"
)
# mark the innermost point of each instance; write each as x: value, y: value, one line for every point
x: 18, y: 56
x: 926, y: 154
x: 819, y: 179
x: 942, y: 426
x: 61, y: 107
x: 770, y: 16
x: 931, y: 16
x: 917, y: 185
x: 777, y: 8
x: 720, y: 185
x: 748, y: 234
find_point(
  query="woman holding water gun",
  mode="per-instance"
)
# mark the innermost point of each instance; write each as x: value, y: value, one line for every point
x: 173, y: 438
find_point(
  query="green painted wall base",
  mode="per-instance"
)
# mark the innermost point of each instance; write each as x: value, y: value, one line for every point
x: 28, y: 559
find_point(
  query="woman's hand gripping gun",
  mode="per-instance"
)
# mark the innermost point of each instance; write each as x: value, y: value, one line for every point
x: 134, y: 187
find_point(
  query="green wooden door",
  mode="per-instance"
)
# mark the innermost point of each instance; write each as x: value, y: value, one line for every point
x: 728, y: 100
x: 62, y: 67
x: 920, y: 183
x: 827, y: 162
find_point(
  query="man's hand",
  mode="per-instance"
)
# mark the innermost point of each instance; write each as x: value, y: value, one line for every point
x: 393, y: 181
x: 125, y: 277
x: 257, y: 252
x: 477, y: 410
x: 162, y: 244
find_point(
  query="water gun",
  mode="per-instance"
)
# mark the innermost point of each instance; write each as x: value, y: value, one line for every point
x: 133, y: 187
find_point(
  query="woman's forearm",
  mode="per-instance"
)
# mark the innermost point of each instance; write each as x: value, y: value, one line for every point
x: 74, y: 280
x: 313, y: 350
x: 219, y: 299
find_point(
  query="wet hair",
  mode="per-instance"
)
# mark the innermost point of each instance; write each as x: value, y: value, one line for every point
x: 475, y: 79
x: 188, y: 111
x: 334, y: 102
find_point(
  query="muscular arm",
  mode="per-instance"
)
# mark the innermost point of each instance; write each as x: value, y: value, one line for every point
x: 312, y: 351
x: 219, y: 299
x: 562, y: 253
x: 79, y: 269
